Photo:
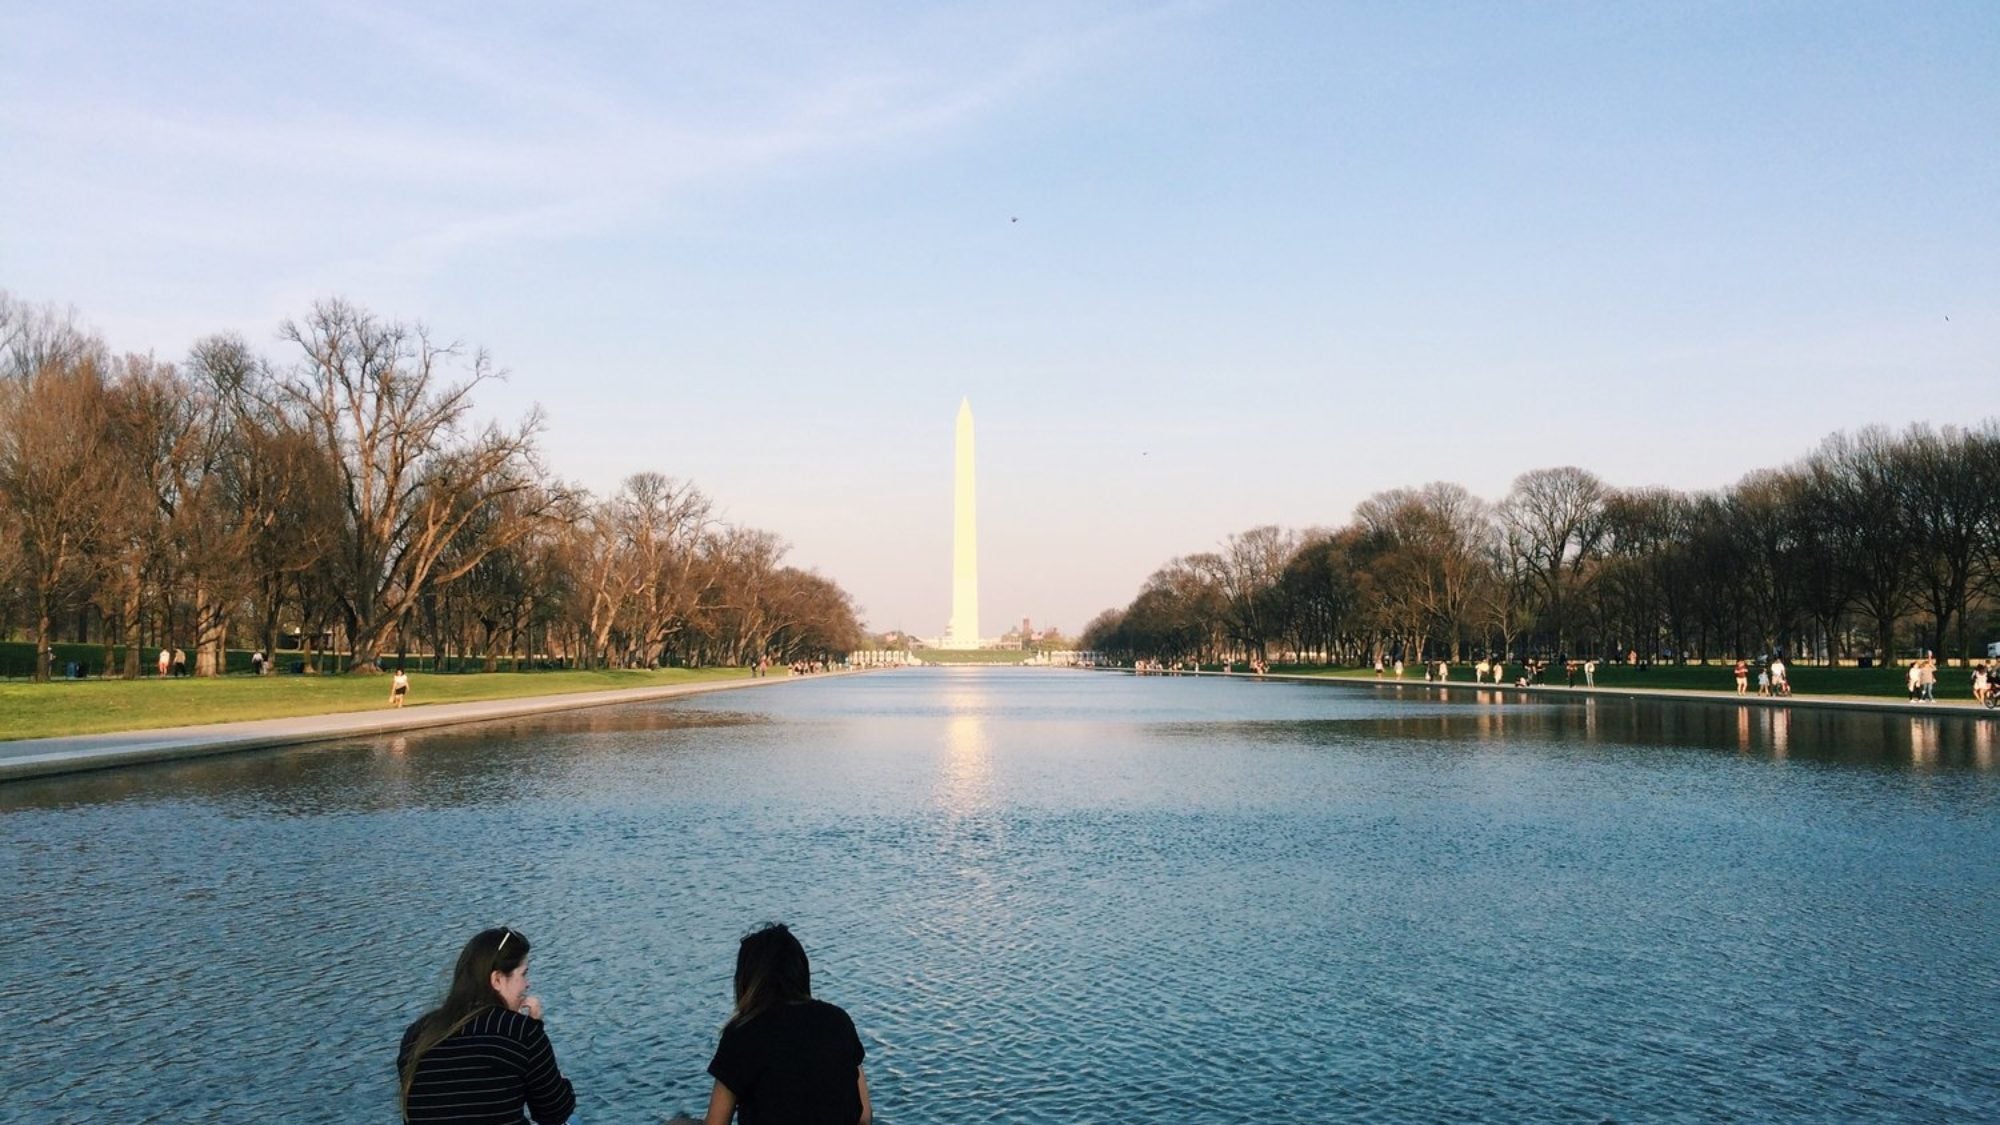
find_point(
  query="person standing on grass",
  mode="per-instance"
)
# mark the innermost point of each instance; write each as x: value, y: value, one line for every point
x: 785, y: 1058
x: 1779, y: 685
x: 1742, y: 676
x: 399, y: 687
x: 1590, y: 673
x: 166, y: 662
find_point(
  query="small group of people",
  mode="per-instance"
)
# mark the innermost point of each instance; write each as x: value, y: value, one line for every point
x: 1922, y: 680
x: 1772, y: 677
x: 1587, y: 667
x: 482, y: 1054
x: 174, y: 662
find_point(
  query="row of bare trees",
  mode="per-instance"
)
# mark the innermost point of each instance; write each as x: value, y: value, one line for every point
x: 348, y: 496
x: 1875, y: 544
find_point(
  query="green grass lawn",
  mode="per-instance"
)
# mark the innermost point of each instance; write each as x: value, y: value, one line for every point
x: 1953, y: 683
x: 31, y: 710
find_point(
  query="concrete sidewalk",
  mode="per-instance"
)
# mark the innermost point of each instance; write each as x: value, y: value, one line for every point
x: 1962, y: 708
x: 40, y: 757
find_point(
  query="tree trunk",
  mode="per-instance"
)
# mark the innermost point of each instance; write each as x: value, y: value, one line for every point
x: 210, y: 629
x: 108, y: 628
x: 131, y: 620
x: 44, y: 622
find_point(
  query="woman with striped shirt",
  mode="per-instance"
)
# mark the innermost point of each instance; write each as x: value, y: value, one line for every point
x: 482, y: 1056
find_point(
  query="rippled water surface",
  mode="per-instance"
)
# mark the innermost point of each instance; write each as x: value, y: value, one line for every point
x: 1049, y: 896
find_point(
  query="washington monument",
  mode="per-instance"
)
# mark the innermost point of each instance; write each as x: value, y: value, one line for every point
x: 964, y: 629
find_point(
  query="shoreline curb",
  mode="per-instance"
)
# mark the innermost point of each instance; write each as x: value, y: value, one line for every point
x: 48, y: 757
x: 1962, y: 709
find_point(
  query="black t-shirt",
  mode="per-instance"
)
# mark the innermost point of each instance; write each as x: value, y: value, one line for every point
x: 792, y: 1065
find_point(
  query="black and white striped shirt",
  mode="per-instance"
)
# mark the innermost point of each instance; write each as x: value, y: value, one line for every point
x: 487, y: 1072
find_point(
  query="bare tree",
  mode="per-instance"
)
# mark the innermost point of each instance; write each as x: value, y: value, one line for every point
x: 414, y: 476
x: 1946, y: 479
x: 1855, y: 477
x: 601, y: 575
x: 1430, y: 557
x: 55, y: 439
x: 664, y: 528
x: 1555, y: 523
x: 36, y: 338
x: 1247, y: 571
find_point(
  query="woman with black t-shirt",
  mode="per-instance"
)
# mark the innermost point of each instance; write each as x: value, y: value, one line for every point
x: 482, y: 1056
x: 785, y: 1058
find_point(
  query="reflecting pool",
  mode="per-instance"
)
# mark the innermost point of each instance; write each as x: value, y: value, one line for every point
x: 1050, y: 896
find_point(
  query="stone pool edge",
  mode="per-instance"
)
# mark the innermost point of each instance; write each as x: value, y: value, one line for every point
x: 44, y: 757
x: 1958, y: 708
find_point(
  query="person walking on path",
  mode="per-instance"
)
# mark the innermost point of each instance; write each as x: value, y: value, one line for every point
x: 1742, y: 676
x: 1779, y: 684
x: 1590, y: 673
x: 399, y: 687
x: 784, y: 1057
x: 1914, y: 680
x: 180, y: 663
x: 481, y: 1056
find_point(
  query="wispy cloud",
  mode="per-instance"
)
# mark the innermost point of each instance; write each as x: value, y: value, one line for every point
x: 448, y: 134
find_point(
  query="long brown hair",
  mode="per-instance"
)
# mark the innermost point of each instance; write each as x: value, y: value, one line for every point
x: 490, y: 951
x: 771, y: 969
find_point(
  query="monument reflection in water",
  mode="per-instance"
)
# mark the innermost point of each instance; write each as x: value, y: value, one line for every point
x: 1051, y: 896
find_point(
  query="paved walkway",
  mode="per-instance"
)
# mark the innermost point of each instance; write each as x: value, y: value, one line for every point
x: 1964, y: 708
x: 38, y: 757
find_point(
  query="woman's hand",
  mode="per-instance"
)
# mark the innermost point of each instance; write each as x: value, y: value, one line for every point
x: 531, y: 1006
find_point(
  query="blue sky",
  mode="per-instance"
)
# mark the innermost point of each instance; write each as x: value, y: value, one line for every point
x: 1198, y: 266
